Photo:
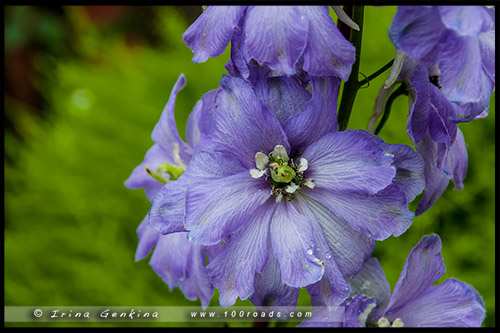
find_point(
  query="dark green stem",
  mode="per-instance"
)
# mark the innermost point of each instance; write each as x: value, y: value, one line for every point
x: 388, y: 105
x: 377, y: 73
x: 351, y: 86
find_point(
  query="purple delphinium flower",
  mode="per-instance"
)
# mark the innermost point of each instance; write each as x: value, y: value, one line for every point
x: 177, y: 261
x: 414, y: 301
x: 280, y: 37
x: 293, y: 201
x: 456, y: 44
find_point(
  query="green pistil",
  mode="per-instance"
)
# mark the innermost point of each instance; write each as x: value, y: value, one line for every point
x: 173, y: 171
x: 282, y: 173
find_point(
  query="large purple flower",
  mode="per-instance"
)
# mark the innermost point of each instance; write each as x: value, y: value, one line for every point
x: 293, y: 201
x: 456, y: 43
x: 180, y: 263
x: 281, y: 37
x: 414, y: 301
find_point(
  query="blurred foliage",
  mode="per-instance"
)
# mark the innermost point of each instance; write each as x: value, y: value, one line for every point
x: 70, y: 222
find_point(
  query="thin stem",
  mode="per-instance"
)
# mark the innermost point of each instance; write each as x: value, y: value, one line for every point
x: 388, y: 105
x: 377, y: 73
x: 351, y: 85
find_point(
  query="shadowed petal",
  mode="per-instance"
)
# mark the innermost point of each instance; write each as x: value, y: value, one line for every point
x: 275, y: 36
x: 220, y: 207
x: 197, y: 284
x: 371, y: 282
x: 349, y: 161
x: 233, y: 270
x: 147, y: 239
x: 319, y: 117
x: 244, y: 126
x: 283, y: 95
x: 293, y: 243
x: 209, y: 35
x: 327, y: 51
x: 270, y: 290
x: 451, y: 304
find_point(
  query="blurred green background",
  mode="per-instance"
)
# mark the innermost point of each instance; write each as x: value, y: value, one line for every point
x: 85, y: 87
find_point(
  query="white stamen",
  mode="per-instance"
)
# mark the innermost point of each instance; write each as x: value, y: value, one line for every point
x: 345, y: 18
x: 364, y: 315
x: 177, y: 157
x: 256, y: 173
x: 291, y: 188
x: 303, y: 165
x: 261, y: 160
x: 383, y: 322
x: 309, y: 183
x: 398, y: 323
x: 279, y: 197
x: 399, y: 60
x: 280, y: 151
x: 389, y: 155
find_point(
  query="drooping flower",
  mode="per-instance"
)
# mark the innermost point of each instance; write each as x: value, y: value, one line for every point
x: 177, y: 261
x: 284, y: 38
x: 457, y: 45
x: 280, y: 187
x: 414, y: 301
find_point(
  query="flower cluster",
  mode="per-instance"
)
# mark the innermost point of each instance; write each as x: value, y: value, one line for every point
x: 268, y: 196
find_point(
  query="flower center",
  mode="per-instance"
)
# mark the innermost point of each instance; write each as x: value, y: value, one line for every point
x: 284, y: 175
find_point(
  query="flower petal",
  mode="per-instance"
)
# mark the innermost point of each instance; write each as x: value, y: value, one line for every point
x: 167, y: 211
x: 466, y: 20
x: 243, y: 125
x: 275, y: 36
x: 147, y: 239
x: 371, y: 282
x: 419, y: 32
x: 270, y: 290
x: 209, y: 35
x: 377, y: 215
x: 348, y: 247
x: 141, y: 179
x: 422, y: 268
x: 197, y: 283
x: 319, y: 117
x: 233, y: 270
x: 283, y: 95
x: 332, y: 289
x: 181, y: 263
x: 457, y: 161
x: 327, y: 51
x: 453, y: 303
x: 169, y: 259
x: 349, y: 161
x: 468, y: 82
x: 215, y: 209
x: 293, y: 243
x: 436, y: 180
x: 165, y: 132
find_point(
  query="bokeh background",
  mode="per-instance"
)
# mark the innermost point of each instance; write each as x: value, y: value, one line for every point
x: 84, y: 87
